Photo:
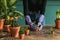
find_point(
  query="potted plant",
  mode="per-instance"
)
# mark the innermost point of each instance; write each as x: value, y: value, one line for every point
x: 22, y: 33
x: 1, y: 20
x: 57, y: 21
x: 27, y: 31
x: 7, y: 7
x: 7, y: 24
x: 1, y: 16
x: 15, y: 28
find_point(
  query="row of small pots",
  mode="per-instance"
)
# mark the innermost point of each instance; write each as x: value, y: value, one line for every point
x: 15, y: 32
x: 22, y: 36
x: 2, y: 23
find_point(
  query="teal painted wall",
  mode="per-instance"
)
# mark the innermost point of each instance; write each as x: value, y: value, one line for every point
x: 50, y: 14
x: 19, y: 6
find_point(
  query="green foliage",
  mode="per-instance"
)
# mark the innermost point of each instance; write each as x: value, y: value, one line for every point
x: 4, y: 4
x: 8, y: 6
x: 16, y: 13
x: 58, y: 14
x: 22, y: 30
x: 2, y: 16
x: 14, y: 23
x: 7, y: 22
x: 26, y: 27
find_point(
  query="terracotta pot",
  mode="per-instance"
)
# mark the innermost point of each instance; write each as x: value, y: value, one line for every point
x: 15, y: 32
x: 37, y: 29
x: 57, y: 22
x: 22, y: 36
x: 27, y: 32
x: 7, y: 28
x: 16, y: 17
x: 1, y: 24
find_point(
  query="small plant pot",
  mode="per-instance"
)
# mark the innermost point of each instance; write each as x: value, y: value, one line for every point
x: 1, y: 24
x: 57, y: 22
x: 22, y: 36
x: 15, y: 32
x: 27, y: 32
x: 37, y: 29
x: 7, y: 28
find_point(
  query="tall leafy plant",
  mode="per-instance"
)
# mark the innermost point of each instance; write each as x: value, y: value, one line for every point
x: 7, y: 9
x: 8, y: 6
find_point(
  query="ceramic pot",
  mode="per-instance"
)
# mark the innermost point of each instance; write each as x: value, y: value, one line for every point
x: 7, y: 28
x: 27, y: 32
x: 57, y: 23
x: 1, y: 24
x: 15, y: 32
x: 22, y: 36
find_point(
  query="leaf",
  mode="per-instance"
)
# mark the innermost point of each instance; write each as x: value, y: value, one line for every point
x: 12, y: 2
x: 14, y: 23
x: 22, y: 30
x: 21, y: 14
x: 4, y: 3
x: 13, y: 7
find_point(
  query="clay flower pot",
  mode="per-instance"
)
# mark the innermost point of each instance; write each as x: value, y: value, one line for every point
x: 37, y: 29
x: 7, y: 28
x: 22, y: 36
x: 57, y: 22
x: 1, y: 24
x: 15, y: 32
x: 27, y: 32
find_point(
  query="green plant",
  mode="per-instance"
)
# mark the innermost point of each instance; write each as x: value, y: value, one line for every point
x: 7, y: 22
x: 14, y: 23
x: 12, y: 11
x: 16, y: 13
x: 58, y: 14
x: 22, y: 30
x: 7, y: 7
x: 26, y: 27
x: 2, y: 16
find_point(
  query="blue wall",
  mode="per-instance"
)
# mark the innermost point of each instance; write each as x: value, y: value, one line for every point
x: 50, y: 11
x: 50, y: 14
x: 19, y: 6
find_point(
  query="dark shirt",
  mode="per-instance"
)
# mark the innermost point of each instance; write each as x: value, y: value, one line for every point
x: 35, y: 5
